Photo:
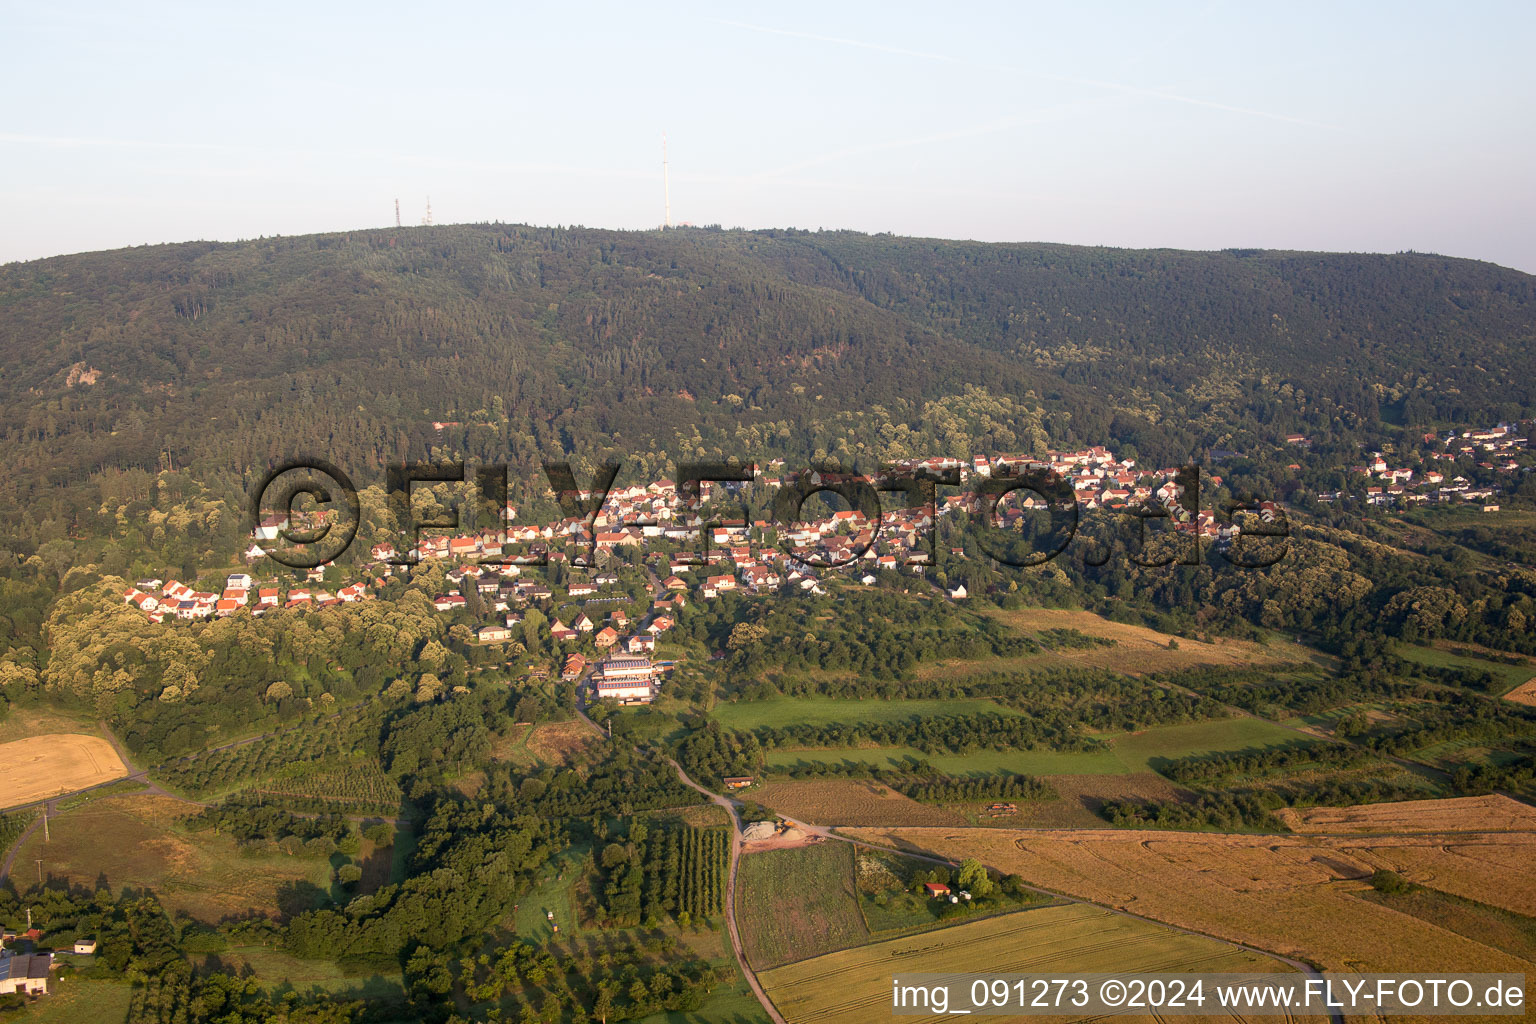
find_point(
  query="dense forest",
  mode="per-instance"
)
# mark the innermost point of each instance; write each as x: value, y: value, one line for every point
x: 214, y: 360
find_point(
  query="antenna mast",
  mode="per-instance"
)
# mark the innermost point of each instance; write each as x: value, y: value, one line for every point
x: 397, y: 213
x: 427, y: 220
x: 666, y: 185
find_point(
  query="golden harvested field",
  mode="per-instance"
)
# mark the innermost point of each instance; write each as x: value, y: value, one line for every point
x: 854, y: 986
x: 562, y: 742
x: 1525, y: 693
x: 849, y: 802
x: 42, y: 766
x: 1299, y: 896
x: 204, y: 874
x: 1462, y: 814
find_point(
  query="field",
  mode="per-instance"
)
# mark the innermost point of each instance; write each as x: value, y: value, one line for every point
x: 1510, y: 677
x: 276, y: 970
x: 849, y: 802
x: 38, y: 767
x: 854, y: 985
x: 1525, y: 694
x: 1078, y: 800
x: 80, y: 1001
x: 1138, y: 648
x: 1469, y: 813
x: 1299, y: 896
x: 562, y: 742
x: 199, y: 872
x: 793, y: 904
x: 23, y: 722
x: 781, y: 711
x: 1126, y: 753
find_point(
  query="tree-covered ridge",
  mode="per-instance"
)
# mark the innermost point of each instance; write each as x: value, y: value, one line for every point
x: 218, y: 358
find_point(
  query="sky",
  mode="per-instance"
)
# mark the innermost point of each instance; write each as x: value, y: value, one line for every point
x: 1324, y: 126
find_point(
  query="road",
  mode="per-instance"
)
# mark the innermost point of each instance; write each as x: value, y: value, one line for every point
x: 730, y: 892
x: 730, y: 878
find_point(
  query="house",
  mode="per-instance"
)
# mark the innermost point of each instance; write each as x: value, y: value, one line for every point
x: 936, y: 890
x: 738, y: 781
x: 560, y: 631
x: 958, y: 592
x: 448, y: 602
x: 575, y: 665
x: 493, y: 634
x: 640, y: 644
x: 606, y: 637
x: 25, y: 973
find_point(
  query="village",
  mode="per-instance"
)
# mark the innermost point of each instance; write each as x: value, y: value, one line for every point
x: 751, y: 558
x: 1493, y: 449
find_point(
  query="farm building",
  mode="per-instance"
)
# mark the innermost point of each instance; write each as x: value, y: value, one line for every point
x: 24, y: 972
x: 627, y: 668
x: 936, y: 890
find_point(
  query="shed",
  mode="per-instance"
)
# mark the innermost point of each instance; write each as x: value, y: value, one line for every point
x: 936, y: 889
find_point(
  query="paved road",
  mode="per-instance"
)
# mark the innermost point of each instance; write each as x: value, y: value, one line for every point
x: 730, y: 893
x: 730, y: 880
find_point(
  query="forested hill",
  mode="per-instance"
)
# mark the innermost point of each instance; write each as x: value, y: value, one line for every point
x: 216, y: 358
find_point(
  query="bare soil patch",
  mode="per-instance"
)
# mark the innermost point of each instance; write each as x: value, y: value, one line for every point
x: 562, y: 742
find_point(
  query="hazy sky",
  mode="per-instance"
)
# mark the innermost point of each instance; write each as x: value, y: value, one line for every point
x: 1380, y: 126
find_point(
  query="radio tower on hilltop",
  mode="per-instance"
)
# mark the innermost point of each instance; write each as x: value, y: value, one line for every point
x: 426, y: 220
x: 397, y: 213
x: 666, y: 187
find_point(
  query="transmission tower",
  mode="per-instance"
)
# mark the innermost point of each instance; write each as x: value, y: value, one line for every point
x: 666, y: 186
x: 426, y: 220
x: 397, y: 213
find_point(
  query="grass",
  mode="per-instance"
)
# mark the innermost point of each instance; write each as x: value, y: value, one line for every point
x: 727, y: 1004
x: 796, y: 903
x: 777, y: 712
x: 854, y: 985
x: 80, y: 1001
x: 555, y: 890
x: 1502, y: 929
x: 1125, y: 754
x: 39, y: 767
x: 278, y: 972
x: 1509, y: 676
x: 205, y: 874
x: 883, y: 881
